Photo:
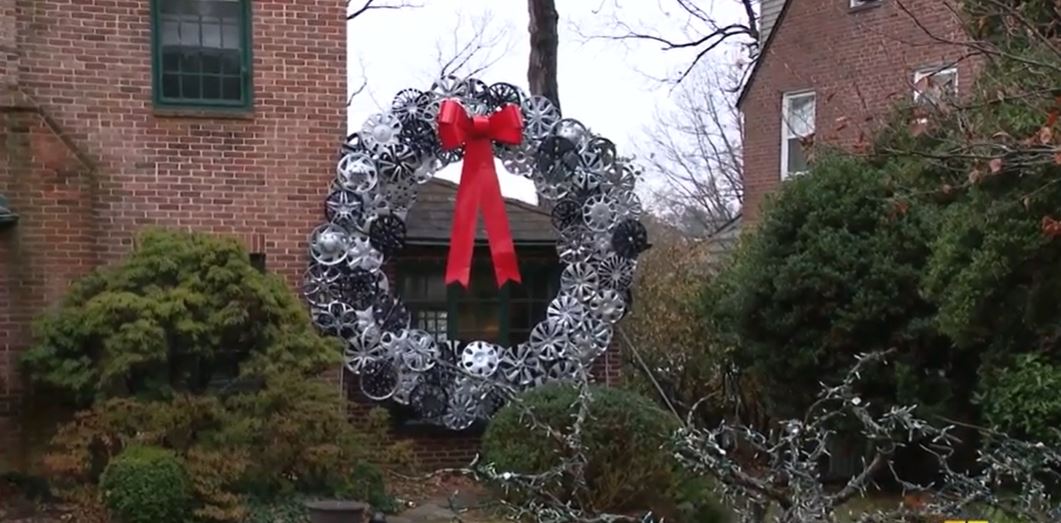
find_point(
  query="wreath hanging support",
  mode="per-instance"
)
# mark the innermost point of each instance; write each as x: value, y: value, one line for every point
x: 595, y: 212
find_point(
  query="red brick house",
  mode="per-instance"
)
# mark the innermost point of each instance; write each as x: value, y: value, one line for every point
x: 827, y: 72
x: 215, y: 115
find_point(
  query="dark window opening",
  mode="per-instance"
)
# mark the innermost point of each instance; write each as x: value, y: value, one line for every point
x: 258, y: 261
x: 482, y: 311
x: 202, y: 53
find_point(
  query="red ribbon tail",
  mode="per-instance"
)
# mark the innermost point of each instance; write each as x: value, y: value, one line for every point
x: 502, y: 250
x: 462, y: 234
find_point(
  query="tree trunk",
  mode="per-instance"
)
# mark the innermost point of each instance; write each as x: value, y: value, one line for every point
x: 544, y: 40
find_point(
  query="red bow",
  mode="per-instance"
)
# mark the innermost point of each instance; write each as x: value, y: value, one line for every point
x: 479, y: 188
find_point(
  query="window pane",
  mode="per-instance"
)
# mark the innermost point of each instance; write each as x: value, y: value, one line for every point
x: 211, y: 63
x: 190, y: 86
x: 230, y: 36
x: 170, y: 31
x: 519, y: 317
x: 432, y: 321
x: 231, y: 88
x: 933, y: 87
x: 211, y: 34
x: 212, y: 87
x: 230, y: 62
x: 797, y: 157
x: 189, y: 32
x: 171, y: 61
x: 521, y: 291
x: 171, y: 86
x: 800, y: 115
x: 190, y: 62
x: 479, y: 320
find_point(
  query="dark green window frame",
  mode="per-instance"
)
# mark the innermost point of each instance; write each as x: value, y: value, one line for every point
x: 527, y: 300
x: 211, y: 86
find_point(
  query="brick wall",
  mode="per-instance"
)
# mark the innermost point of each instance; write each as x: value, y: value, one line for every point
x: 857, y: 61
x: 87, y: 161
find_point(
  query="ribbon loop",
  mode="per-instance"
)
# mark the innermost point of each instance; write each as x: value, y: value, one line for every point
x: 479, y: 188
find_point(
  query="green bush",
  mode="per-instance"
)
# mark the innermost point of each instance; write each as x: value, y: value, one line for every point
x: 625, y: 439
x: 284, y: 510
x: 188, y: 347
x: 182, y: 312
x: 833, y: 270
x: 366, y: 483
x: 147, y: 485
x: 289, y: 438
x: 1022, y: 399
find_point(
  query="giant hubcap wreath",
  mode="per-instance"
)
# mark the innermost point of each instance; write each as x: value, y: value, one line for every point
x: 595, y: 212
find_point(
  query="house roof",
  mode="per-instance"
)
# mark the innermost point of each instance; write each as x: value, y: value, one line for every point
x: 430, y: 219
x: 763, y: 51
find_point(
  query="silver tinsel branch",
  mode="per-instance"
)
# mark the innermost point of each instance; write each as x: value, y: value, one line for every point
x: 784, y: 484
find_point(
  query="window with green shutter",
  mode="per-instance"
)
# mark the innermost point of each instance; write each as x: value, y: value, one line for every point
x: 202, y: 53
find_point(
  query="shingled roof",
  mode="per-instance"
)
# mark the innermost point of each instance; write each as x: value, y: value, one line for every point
x: 430, y: 219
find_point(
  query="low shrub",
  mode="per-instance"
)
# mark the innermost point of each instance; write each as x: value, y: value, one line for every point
x: 289, y: 438
x: 284, y: 510
x: 187, y: 347
x: 366, y: 483
x: 626, y: 439
x: 147, y: 485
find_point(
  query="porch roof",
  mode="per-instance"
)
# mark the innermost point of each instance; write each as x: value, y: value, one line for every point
x: 430, y: 219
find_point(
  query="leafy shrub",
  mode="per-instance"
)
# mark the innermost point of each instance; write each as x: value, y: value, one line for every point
x: 147, y: 485
x: 1022, y: 399
x: 187, y: 347
x: 681, y: 350
x: 181, y: 312
x: 284, y: 510
x: 366, y: 483
x: 290, y: 437
x: 833, y: 270
x: 625, y: 439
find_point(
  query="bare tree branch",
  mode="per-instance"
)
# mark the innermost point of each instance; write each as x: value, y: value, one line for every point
x: 371, y: 4
x: 696, y: 148
x: 359, y: 89
x: 484, y: 47
x: 709, y: 33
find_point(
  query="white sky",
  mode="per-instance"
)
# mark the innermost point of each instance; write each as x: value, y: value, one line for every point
x: 607, y: 85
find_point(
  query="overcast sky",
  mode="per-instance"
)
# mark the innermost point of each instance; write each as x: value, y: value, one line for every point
x: 610, y: 86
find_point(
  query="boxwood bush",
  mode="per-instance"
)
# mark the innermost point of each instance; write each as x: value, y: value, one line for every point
x: 147, y: 485
x: 626, y: 441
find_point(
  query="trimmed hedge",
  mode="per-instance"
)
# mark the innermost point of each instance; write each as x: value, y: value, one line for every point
x: 626, y: 440
x: 147, y: 485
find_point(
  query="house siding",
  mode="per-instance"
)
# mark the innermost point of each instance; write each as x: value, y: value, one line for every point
x: 769, y: 11
x: 858, y: 62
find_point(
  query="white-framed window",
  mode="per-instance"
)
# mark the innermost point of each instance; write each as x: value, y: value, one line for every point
x: 934, y: 85
x: 863, y: 3
x: 797, y: 130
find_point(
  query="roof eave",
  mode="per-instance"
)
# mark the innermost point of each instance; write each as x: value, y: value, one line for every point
x: 762, y: 54
x: 444, y: 242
